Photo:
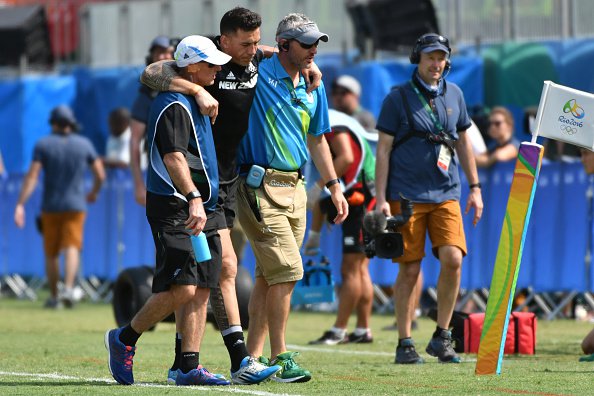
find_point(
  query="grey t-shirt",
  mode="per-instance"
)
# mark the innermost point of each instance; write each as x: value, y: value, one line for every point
x: 65, y: 159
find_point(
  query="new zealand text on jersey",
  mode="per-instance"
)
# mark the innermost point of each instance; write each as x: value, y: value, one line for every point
x: 251, y: 83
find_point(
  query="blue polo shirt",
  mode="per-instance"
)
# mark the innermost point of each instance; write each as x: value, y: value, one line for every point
x: 413, y: 167
x: 280, y: 119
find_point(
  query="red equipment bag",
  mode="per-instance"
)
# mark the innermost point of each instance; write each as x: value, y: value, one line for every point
x: 521, y: 333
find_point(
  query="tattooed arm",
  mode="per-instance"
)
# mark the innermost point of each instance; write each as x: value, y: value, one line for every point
x: 162, y: 76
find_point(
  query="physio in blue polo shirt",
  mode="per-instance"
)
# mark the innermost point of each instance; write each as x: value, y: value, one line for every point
x: 422, y: 143
x: 284, y: 123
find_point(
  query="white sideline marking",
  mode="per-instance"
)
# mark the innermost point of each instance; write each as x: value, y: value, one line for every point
x: 225, y: 389
x: 335, y: 349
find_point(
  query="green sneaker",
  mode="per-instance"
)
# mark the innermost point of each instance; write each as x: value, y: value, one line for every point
x: 290, y: 370
x: 588, y: 358
x: 264, y: 360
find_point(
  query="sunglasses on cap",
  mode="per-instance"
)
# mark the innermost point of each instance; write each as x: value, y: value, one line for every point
x: 308, y: 46
x: 432, y: 39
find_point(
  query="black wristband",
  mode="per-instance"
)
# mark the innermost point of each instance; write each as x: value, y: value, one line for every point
x: 475, y: 185
x: 192, y: 195
x: 332, y: 182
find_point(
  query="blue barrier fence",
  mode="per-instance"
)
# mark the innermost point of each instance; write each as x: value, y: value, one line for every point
x: 117, y: 235
x: 25, y: 103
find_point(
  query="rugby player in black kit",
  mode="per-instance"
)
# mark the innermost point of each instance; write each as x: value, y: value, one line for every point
x: 228, y: 103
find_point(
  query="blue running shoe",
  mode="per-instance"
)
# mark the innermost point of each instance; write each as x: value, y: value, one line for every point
x: 171, y: 376
x: 120, y: 357
x: 251, y: 371
x: 199, y: 376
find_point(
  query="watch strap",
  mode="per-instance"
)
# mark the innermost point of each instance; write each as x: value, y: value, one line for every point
x: 192, y: 195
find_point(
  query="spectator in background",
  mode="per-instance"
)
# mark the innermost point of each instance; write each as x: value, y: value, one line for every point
x: 354, y: 163
x: 117, y: 148
x: 160, y: 49
x: 64, y: 157
x: 346, y: 93
x: 476, y: 139
x: 504, y: 146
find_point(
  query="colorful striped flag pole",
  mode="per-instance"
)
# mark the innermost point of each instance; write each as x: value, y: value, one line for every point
x: 564, y: 114
x: 509, y: 255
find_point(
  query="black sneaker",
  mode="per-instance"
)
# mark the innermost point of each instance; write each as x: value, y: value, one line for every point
x: 441, y: 347
x: 406, y: 353
x: 330, y: 338
x: 360, y: 339
x: 53, y: 303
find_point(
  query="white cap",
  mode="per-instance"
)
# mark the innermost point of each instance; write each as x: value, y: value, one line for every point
x: 349, y: 83
x: 194, y: 49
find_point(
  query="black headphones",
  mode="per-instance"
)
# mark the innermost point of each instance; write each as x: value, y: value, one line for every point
x: 284, y: 46
x: 427, y: 40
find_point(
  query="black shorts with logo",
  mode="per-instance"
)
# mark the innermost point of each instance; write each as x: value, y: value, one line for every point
x: 226, y: 210
x: 175, y: 262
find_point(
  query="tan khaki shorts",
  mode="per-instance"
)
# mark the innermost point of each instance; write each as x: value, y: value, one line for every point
x: 443, y: 221
x: 275, y: 234
x: 62, y: 230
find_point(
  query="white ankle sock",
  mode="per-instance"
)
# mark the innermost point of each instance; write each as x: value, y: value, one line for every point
x: 359, y: 331
x: 338, y: 331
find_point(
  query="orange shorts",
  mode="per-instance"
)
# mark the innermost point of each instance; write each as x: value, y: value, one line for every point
x: 62, y: 230
x: 443, y: 221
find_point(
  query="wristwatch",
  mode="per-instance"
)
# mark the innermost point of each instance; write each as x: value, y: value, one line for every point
x: 192, y: 195
x: 332, y: 182
x: 475, y: 185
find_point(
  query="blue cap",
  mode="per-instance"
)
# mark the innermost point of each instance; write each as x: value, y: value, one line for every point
x: 63, y: 115
x: 435, y: 47
x: 160, y: 41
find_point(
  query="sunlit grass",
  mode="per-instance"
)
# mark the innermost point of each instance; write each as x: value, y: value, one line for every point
x: 69, y: 343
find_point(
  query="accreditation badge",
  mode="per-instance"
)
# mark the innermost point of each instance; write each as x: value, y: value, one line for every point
x: 444, y: 158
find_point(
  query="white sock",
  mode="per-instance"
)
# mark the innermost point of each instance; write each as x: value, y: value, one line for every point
x: 359, y: 331
x: 338, y: 331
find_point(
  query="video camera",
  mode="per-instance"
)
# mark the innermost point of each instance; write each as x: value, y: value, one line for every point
x: 383, y: 239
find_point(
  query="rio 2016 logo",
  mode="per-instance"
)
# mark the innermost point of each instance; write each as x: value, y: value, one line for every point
x: 576, y: 110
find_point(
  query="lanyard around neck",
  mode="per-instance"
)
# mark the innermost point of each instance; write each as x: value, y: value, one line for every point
x: 427, y: 108
x: 294, y: 98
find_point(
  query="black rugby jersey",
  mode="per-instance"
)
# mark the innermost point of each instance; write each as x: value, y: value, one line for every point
x: 234, y: 88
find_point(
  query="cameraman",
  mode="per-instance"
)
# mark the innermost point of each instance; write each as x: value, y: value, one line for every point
x: 422, y: 140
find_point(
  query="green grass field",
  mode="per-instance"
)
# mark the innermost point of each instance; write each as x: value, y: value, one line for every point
x: 61, y: 353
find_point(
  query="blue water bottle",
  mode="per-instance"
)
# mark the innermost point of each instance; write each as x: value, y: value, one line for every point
x: 200, y: 246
